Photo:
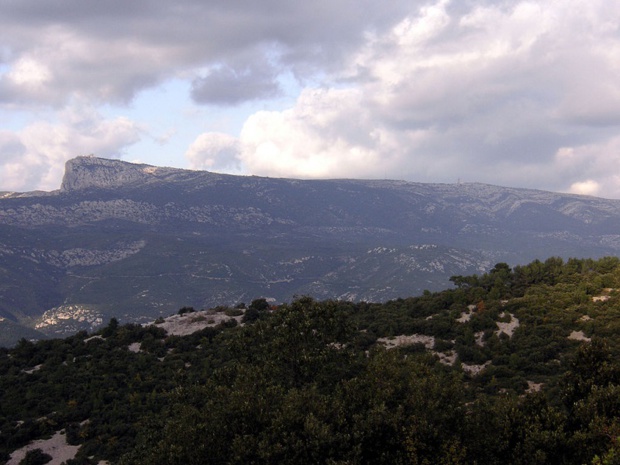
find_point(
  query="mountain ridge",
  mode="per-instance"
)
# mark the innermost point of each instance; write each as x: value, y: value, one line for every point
x: 135, y: 242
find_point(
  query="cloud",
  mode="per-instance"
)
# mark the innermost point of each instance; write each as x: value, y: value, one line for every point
x: 214, y: 151
x: 113, y: 50
x: 490, y: 93
x: 224, y: 85
x: 423, y: 90
x: 587, y: 187
x: 62, y: 64
x: 593, y: 168
x: 327, y: 134
x: 34, y: 157
x: 11, y: 147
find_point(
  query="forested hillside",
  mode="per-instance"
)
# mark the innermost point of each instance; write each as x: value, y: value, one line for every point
x: 515, y: 366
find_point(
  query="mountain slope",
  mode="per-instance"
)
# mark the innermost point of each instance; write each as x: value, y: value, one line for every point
x: 134, y: 241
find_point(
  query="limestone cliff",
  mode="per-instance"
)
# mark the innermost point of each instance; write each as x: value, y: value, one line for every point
x: 91, y: 172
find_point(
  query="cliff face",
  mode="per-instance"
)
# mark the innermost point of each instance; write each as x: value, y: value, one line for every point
x: 135, y: 241
x: 90, y: 173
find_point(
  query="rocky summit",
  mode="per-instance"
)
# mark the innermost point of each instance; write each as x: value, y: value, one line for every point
x: 135, y: 242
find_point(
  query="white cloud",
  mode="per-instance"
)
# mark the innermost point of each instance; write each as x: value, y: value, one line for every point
x: 29, y: 73
x: 594, y: 168
x: 588, y: 187
x: 491, y: 95
x: 327, y: 134
x: 34, y: 157
x: 214, y: 151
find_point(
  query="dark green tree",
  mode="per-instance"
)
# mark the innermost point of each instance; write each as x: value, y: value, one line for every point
x: 35, y: 457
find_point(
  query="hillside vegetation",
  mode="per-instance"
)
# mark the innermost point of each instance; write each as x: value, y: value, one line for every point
x: 514, y: 366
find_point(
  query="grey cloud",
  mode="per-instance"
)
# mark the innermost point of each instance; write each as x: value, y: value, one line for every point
x: 110, y: 50
x: 229, y: 86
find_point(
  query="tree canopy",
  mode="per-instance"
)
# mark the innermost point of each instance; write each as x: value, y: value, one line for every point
x: 515, y: 366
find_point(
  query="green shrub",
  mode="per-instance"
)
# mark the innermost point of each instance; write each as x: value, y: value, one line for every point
x: 35, y: 457
x: 233, y: 312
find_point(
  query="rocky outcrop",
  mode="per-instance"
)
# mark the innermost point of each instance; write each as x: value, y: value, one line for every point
x: 90, y: 172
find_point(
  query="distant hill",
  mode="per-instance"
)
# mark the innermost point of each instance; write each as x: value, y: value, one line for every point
x: 135, y: 242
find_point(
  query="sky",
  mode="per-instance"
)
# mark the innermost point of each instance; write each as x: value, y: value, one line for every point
x: 511, y: 93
